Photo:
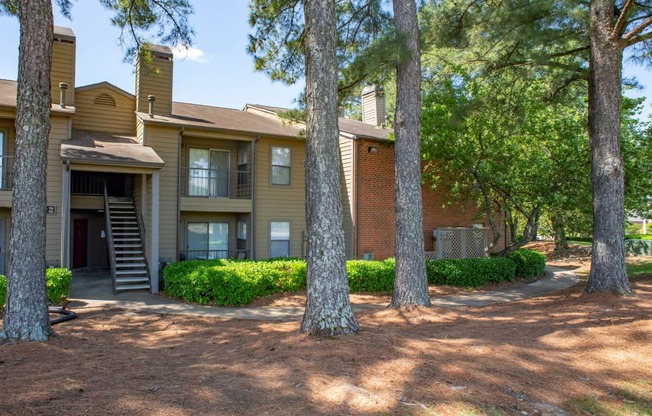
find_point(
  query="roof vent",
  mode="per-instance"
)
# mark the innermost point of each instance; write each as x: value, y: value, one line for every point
x: 105, y: 99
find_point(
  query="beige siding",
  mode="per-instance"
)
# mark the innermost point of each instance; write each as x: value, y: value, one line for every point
x: 58, y: 133
x: 262, y: 113
x: 9, y: 131
x: 165, y: 142
x: 104, y: 109
x: 346, y: 157
x: 157, y: 83
x: 277, y: 202
x: 87, y: 202
x: 140, y: 130
x: 63, y: 70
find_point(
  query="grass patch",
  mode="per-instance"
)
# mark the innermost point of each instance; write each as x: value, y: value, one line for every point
x: 644, y: 267
x: 629, y: 400
x: 580, y: 243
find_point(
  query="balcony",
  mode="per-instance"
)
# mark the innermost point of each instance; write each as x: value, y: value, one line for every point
x: 6, y: 173
x: 212, y: 254
x: 213, y: 190
x: 6, y: 180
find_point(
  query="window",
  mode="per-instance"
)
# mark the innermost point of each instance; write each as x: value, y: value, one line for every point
x: 242, y: 235
x: 281, y: 162
x: 208, y: 173
x: 279, y: 239
x: 207, y: 240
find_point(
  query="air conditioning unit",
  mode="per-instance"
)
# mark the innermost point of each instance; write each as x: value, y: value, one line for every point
x: 367, y: 256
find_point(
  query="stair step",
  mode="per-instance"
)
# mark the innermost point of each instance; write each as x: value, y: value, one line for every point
x: 129, y: 265
x: 132, y: 287
x: 122, y: 252
x: 130, y: 272
x: 132, y: 279
x: 140, y: 258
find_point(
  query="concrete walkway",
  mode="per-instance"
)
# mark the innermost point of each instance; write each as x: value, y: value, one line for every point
x: 94, y: 291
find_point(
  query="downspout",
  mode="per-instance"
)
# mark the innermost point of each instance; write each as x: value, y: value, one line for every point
x: 179, y: 230
x: 356, y: 161
x: 253, y: 196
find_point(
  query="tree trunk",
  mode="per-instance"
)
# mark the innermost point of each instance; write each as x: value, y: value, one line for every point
x: 560, y: 231
x: 328, y: 308
x: 411, y: 283
x: 608, y: 273
x: 26, y: 317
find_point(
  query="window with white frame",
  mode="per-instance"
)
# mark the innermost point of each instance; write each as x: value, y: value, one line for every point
x: 207, y: 240
x: 281, y: 165
x: 279, y: 245
x: 208, y: 173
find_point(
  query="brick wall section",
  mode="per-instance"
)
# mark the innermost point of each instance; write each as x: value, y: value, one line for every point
x: 375, y: 209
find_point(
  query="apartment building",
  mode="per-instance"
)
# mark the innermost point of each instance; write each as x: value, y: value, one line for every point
x: 138, y: 180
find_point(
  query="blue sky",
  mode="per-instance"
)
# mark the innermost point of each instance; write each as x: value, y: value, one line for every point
x: 217, y: 71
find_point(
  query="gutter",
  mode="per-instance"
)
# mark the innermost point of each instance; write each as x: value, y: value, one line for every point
x: 179, y: 230
x: 253, y: 196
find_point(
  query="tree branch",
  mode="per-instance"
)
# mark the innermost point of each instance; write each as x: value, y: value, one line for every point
x: 627, y: 37
x: 622, y: 19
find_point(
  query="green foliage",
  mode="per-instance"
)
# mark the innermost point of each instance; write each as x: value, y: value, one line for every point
x: 232, y: 282
x: 371, y: 276
x: 3, y: 292
x: 638, y: 237
x: 470, y: 272
x: 58, y: 282
x: 529, y: 263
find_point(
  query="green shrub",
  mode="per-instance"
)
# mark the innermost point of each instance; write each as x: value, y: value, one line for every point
x: 638, y: 237
x: 233, y: 282
x: 529, y: 263
x: 58, y: 282
x: 3, y: 292
x: 470, y: 272
x: 371, y: 276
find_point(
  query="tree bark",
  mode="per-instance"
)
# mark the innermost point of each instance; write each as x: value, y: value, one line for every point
x: 560, y: 231
x: 26, y: 317
x: 608, y: 273
x: 328, y: 308
x: 411, y: 283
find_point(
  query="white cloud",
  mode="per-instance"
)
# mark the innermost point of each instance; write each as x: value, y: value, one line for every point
x: 190, y: 54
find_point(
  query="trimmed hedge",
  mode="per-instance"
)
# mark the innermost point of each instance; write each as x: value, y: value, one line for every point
x: 238, y: 282
x: 58, y: 282
x: 470, y: 272
x: 529, y: 263
x: 371, y: 276
x: 232, y: 282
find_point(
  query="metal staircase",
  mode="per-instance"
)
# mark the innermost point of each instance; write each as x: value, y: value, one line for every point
x: 126, y: 250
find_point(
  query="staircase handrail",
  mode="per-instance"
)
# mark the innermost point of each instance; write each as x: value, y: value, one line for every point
x: 109, y: 236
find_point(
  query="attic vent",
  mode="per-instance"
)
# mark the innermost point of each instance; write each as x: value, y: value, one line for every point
x: 105, y: 99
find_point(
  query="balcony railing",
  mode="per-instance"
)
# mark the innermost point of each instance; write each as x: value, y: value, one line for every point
x: 6, y: 173
x: 215, y: 183
x: 213, y: 254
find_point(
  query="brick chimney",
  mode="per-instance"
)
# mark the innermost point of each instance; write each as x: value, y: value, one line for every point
x: 373, y: 105
x: 63, y: 65
x: 155, y: 79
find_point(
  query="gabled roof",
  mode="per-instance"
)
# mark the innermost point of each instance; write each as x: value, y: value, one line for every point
x: 346, y: 125
x: 92, y: 147
x: 106, y: 85
x: 225, y: 119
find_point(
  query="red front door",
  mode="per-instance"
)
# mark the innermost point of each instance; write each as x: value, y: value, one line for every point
x: 80, y: 243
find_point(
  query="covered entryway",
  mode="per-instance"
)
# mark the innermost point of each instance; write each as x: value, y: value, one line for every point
x: 110, y: 208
